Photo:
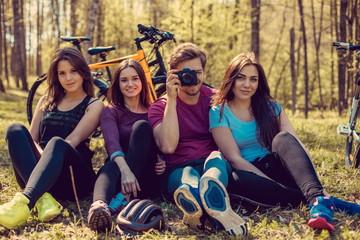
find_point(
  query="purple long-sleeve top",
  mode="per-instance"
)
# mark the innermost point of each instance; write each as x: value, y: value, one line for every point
x: 116, y: 126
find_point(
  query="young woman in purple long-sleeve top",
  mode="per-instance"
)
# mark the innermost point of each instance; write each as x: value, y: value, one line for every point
x: 129, y: 144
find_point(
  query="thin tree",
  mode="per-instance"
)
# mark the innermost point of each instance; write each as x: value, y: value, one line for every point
x: 279, y: 40
x: 342, y: 57
x: 277, y: 85
x: 192, y: 20
x: 73, y: 17
x: 91, y: 26
x: 3, y: 22
x: 306, y: 77
x: 292, y: 67
x: 350, y: 59
x: 39, y: 30
x: 55, y: 20
x: 317, y: 42
x: 22, y: 39
x: 255, y: 27
x: 2, y: 36
x: 235, y: 20
x: 99, y: 26
x: 2, y: 88
x: 332, y: 27
x: 20, y: 65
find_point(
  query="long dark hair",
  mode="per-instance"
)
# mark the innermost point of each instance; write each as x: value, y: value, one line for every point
x: 115, y: 95
x: 55, y: 92
x: 262, y: 103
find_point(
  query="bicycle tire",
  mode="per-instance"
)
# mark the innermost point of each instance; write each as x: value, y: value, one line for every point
x: 30, y: 98
x: 356, y: 160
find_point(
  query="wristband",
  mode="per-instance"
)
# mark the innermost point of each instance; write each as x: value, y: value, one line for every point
x: 115, y: 154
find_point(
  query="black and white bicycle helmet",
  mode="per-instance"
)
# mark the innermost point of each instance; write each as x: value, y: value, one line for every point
x: 139, y: 216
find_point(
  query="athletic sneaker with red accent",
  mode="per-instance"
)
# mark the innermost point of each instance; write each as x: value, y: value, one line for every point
x: 99, y: 217
x: 322, y: 214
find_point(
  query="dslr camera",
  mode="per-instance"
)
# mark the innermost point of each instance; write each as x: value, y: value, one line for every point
x: 187, y: 77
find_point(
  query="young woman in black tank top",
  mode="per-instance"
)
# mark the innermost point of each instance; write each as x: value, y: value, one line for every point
x: 56, y: 140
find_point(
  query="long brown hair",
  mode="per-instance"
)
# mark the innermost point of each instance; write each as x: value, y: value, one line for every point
x: 55, y: 92
x: 115, y: 95
x: 262, y: 103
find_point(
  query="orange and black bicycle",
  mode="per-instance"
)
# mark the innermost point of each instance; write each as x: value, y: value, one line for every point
x: 156, y: 77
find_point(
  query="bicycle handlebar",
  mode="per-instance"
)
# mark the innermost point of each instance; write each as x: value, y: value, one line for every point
x: 346, y: 46
x: 150, y: 34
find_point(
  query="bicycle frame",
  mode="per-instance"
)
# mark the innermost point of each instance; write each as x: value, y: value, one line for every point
x: 156, y: 83
x: 349, y: 130
x: 140, y: 56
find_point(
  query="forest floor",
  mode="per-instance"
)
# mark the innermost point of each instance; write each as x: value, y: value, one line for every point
x: 318, y: 134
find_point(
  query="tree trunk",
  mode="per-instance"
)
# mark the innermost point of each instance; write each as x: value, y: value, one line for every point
x: 292, y: 66
x: 279, y: 41
x: 20, y: 66
x: 306, y: 77
x: 65, y: 22
x: 91, y: 27
x: 255, y: 27
x: 6, y: 67
x: 154, y: 12
x: 234, y: 37
x: 2, y: 88
x: 192, y: 21
x: 73, y: 17
x: 342, y: 57
x: 29, y: 60
x: 317, y: 41
x: 277, y: 86
x: 23, y: 41
x: 99, y: 31
x: 2, y: 36
x: 332, y: 27
x: 350, y: 59
x: 39, y: 26
x: 55, y: 20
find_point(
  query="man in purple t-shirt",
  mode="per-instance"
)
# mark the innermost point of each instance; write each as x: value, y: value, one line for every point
x: 196, y: 173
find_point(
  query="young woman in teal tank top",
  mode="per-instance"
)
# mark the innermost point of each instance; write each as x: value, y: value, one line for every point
x: 270, y: 164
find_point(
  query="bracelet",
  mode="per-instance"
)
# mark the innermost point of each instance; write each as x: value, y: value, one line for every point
x: 115, y: 154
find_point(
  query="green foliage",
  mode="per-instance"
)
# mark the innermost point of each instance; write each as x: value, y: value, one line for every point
x: 318, y: 134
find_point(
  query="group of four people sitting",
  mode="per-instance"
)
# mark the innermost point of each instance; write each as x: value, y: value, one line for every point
x: 193, y: 145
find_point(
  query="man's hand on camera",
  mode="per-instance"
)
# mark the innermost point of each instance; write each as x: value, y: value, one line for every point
x: 172, y: 83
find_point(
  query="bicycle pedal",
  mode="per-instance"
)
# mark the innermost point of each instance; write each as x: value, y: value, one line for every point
x: 343, y: 130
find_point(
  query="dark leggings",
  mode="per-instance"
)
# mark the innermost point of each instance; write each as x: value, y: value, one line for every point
x: 50, y: 172
x: 294, y: 179
x: 141, y: 158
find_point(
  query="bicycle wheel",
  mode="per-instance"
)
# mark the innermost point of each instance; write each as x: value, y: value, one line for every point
x: 356, y: 159
x: 35, y: 92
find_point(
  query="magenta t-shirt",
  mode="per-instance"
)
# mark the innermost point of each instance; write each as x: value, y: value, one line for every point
x: 195, y: 138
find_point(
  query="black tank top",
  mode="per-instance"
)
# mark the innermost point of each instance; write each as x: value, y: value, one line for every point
x: 62, y: 123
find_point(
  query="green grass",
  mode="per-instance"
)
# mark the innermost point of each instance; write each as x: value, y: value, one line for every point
x: 319, y: 136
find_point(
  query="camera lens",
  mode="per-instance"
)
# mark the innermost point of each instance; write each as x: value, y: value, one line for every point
x: 186, y: 77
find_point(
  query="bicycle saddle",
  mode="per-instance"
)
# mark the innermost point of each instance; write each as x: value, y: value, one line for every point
x: 79, y: 39
x: 97, y: 50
